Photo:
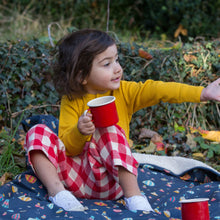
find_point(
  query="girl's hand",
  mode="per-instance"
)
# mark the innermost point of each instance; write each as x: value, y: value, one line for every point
x: 85, y: 124
x: 211, y: 92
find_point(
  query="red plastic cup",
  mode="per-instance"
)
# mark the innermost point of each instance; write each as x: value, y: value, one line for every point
x: 195, y: 209
x: 104, y: 112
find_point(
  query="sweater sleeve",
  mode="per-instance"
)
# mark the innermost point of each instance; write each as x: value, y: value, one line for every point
x: 140, y: 95
x: 73, y: 140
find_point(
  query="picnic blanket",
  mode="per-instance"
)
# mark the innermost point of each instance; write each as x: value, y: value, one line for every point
x: 164, y: 180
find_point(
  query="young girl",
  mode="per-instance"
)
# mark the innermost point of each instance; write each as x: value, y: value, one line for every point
x: 89, y: 162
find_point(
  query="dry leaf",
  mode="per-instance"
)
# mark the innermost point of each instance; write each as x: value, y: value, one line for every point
x: 196, y: 72
x: 209, y: 135
x: 212, y: 136
x: 156, y: 142
x: 180, y: 30
x: 147, y: 133
x: 151, y: 148
x: 130, y: 142
x: 198, y: 156
x: 20, y: 160
x: 5, y: 178
x: 189, y: 57
x: 190, y: 141
x: 156, y: 138
x: 144, y: 54
x: 160, y: 147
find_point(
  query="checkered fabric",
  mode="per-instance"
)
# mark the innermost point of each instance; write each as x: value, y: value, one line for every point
x: 94, y: 173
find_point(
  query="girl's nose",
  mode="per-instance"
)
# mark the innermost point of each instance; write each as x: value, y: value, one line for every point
x: 117, y: 68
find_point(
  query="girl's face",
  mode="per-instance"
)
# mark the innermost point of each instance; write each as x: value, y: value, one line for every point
x: 106, y: 72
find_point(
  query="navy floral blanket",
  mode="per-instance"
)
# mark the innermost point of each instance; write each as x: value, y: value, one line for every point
x: 164, y: 180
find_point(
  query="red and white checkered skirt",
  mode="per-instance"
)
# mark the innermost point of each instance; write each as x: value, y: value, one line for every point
x: 94, y: 173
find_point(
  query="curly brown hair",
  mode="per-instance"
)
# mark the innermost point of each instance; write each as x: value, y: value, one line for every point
x: 75, y: 57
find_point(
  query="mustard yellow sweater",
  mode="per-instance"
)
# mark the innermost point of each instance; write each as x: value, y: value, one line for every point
x: 130, y: 97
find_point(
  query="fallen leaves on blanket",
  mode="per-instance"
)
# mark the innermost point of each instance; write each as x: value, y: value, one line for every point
x: 6, y: 177
x: 209, y: 135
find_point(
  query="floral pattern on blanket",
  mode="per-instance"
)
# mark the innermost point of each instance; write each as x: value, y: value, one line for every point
x: 26, y: 198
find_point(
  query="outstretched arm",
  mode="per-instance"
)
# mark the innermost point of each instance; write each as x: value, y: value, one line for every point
x: 211, y: 92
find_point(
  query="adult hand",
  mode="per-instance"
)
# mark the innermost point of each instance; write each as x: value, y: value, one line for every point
x: 211, y: 92
x: 85, y: 124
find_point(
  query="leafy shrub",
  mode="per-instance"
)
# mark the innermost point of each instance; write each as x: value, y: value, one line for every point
x: 144, y: 17
x: 195, y: 64
x: 25, y: 80
x: 196, y: 16
x: 26, y: 87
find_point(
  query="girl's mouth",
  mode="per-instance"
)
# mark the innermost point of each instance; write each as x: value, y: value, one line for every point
x: 116, y: 79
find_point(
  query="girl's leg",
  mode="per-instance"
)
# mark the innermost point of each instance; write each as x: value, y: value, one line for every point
x: 45, y: 152
x: 128, y: 182
x: 111, y: 146
x: 47, y: 173
x: 42, y: 167
x: 133, y: 197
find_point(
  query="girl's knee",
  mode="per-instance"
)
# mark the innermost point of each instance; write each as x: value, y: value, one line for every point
x: 35, y: 155
x: 39, y: 134
x: 38, y: 128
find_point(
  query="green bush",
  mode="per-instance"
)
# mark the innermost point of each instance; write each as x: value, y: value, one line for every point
x: 144, y: 17
x: 170, y: 64
x: 25, y: 80
x: 26, y: 87
x: 200, y: 17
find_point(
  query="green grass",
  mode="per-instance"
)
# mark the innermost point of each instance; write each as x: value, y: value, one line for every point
x: 20, y: 23
x: 23, y: 25
x: 10, y: 150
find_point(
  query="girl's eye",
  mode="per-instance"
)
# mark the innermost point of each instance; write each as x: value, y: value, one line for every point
x: 107, y: 64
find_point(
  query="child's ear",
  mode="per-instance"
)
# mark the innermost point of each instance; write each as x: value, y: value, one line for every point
x: 80, y: 79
